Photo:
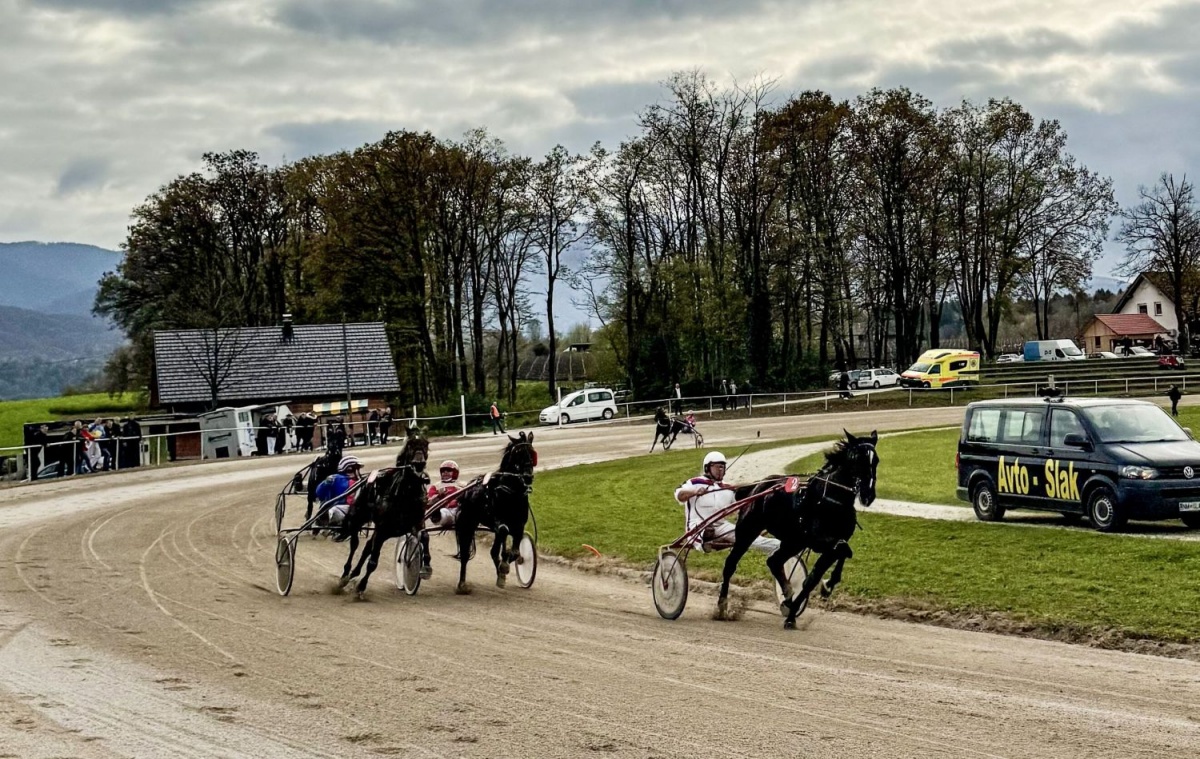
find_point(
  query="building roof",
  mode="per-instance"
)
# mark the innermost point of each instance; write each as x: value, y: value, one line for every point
x: 1157, y: 278
x: 255, y: 363
x: 1131, y: 324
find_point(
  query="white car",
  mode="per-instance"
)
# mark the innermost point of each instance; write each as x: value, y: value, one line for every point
x: 1009, y: 358
x: 591, y: 403
x: 875, y: 378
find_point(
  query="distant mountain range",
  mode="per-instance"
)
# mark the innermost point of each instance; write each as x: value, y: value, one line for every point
x: 1107, y: 283
x: 48, y: 336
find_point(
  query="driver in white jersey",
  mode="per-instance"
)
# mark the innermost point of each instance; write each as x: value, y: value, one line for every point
x: 706, y: 495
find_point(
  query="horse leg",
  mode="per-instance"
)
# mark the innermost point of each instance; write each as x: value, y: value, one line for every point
x: 776, y: 561
x: 820, y: 567
x: 742, y: 540
x: 464, y: 555
x: 372, y: 550
x: 426, y: 565
x: 844, y: 552
x: 346, y: 576
x: 500, y: 555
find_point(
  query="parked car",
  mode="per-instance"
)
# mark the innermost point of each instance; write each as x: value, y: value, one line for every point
x: 1009, y: 358
x: 1169, y: 361
x: 874, y: 378
x: 1107, y: 458
x: 592, y: 403
x: 1135, y: 350
x: 1103, y: 354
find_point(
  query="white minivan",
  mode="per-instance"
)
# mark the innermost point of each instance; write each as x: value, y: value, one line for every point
x: 591, y: 403
x: 1052, y: 350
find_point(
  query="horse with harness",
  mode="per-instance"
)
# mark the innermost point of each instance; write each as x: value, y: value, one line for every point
x: 667, y: 428
x: 817, y: 516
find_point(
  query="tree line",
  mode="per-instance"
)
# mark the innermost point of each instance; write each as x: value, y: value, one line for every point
x: 735, y: 234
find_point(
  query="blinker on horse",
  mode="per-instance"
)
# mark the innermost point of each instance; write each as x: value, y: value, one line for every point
x: 822, y: 519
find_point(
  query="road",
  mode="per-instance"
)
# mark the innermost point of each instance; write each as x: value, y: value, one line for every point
x: 138, y: 618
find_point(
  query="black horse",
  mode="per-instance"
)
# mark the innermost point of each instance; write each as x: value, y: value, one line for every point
x: 499, y: 502
x: 666, y: 429
x: 393, y: 501
x: 822, y: 519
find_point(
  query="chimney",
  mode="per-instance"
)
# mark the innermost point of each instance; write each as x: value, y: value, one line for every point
x: 287, y: 328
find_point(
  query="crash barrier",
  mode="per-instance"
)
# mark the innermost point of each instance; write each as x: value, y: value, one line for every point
x: 153, y: 451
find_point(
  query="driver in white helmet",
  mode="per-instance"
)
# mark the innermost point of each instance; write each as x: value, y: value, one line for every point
x: 707, y: 495
x: 335, y: 488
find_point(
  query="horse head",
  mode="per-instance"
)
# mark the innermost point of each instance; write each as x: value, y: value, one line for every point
x: 862, y: 462
x: 660, y: 416
x: 520, y: 457
x: 415, y: 452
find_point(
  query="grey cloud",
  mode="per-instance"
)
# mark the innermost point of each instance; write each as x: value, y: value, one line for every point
x: 119, y: 7
x: 307, y: 138
x: 82, y: 174
x: 472, y: 21
x: 1026, y: 44
x: 609, y: 100
x: 1174, y: 29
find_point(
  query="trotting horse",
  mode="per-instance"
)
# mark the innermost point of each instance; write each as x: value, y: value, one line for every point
x: 321, y: 467
x: 393, y: 501
x: 665, y: 429
x: 823, y: 519
x: 501, y: 503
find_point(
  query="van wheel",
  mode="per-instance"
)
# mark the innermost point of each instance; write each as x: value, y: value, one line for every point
x: 1103, y: 510
x: 608, y: 414
x: 925, y: 385
x: 984, y: 501
x: 565, y: 419
x: 1191, y: 520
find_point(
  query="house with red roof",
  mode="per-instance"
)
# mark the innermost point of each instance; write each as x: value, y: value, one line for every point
x: 1105, y: 331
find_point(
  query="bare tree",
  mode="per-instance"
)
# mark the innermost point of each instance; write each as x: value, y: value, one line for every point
x: 215, y: 355
x: 1161, y: 233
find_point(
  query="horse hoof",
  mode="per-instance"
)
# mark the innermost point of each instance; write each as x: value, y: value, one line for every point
x: 789, y: 624
x: 784, y: 609
x: 826, y: 591
x: 462, y: 590
x: 500, y: 580
x: 360, y: 595
x: 343, y: 582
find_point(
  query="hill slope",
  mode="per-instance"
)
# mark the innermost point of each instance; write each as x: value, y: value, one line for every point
x: 55, y: 277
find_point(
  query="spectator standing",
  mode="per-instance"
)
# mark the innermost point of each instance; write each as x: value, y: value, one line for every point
x: 336, y: 435
x: 733, y: 396
x: 385, y: 425
x: 280, y: 430
x: 1174, y: 395
x: 373, y: 426
x: 108, y: 445
x: 261, y: 435
x: 724, y: 395
x: 497, y: 419
x: 844, y: 385
x: 131, y: 443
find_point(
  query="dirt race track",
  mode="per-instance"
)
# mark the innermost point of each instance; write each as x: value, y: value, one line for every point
x: 138, y: 617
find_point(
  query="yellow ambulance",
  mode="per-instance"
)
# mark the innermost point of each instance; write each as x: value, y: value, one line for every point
x: 943, y: 367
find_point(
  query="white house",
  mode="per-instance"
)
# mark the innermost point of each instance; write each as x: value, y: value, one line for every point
x: 1144, y: 296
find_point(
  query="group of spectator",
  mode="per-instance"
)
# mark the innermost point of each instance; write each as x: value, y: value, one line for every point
x: 297, y: 432
x: 101, y: 446
x: 379, y: 425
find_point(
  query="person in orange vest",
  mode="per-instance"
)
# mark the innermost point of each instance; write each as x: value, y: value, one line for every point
x: 497, y: 419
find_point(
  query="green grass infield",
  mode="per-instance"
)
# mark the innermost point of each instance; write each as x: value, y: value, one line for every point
x: 1059, y: 583
x: 15, y: 414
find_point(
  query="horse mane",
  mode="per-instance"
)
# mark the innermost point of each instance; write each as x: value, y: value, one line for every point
x: 837, y: 455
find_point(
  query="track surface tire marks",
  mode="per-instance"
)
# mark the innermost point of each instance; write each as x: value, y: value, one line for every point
x: 150, y: 621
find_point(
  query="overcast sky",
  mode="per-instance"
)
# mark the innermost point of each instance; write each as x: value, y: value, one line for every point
x: 103, y: 101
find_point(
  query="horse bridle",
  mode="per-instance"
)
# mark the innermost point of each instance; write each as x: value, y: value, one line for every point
x: 526, y: 477
x: 857, y: 479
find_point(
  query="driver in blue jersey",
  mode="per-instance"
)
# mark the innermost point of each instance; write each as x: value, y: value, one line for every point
x: 335, y: 488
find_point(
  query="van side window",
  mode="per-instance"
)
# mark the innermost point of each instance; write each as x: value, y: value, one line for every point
x: 576, y: 402
x: 1022, y: 426
x: 1063, y: 423
x: 935, y: 369
x: 956, y: 365
x: 597, y: 397
x: 985, y: 425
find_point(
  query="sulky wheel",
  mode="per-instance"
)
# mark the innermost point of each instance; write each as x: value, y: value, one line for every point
x: 526, y: 561
x: 797, y: 572
x: 285, y: 565
x: 699, y: 439
x: 669, y: 585
x: 280, y: 510
x: 408, y: 564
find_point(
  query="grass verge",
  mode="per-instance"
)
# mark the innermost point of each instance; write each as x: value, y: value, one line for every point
x: 1051, y: 583
x: 14, y: 414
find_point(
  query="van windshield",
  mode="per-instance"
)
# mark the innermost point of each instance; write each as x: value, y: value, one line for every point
x: 1133, y: 424
x: 1071, y: 350
x: 919, y: 367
